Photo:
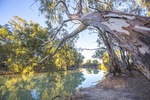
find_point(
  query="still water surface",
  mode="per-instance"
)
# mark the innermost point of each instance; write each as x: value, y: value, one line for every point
x: 45, y: 86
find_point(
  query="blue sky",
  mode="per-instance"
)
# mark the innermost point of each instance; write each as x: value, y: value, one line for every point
x: 21, y: 8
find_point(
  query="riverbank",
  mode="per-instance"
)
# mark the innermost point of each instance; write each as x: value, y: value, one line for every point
x: 5, y: 71
x: 124, y: 87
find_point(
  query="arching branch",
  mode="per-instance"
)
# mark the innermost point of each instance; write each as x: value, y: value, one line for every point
x: 75, y: 16
x: 33, y: 3
x: 79, y: 7
x: 75, y: 32
x: 66, y: 11
x: 60, y: 27
x: 132, y: 31
x: 88, y: 49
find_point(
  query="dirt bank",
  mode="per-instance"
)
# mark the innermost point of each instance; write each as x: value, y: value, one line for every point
x: 117, y: 88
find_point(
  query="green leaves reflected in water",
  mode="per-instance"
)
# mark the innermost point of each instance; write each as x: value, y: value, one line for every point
x: 43, y: 86
x: 92, y: 70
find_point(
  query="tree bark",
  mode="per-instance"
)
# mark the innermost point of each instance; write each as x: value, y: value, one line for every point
x: 129, y: 30
x: 114, y: 65
x: 132, y: 31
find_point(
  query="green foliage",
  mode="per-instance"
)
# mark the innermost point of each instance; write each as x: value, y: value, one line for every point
x: 91, y: 63
x: 64, y: 57
x: 103, y: 67
x: 106, y: 60
x: 88, y: 61
x: 55, y: 10
x: 95, y: 62
x: 92, y: 70
x: 78, y: 57
x: 23, y: 45
x: 45, y: 86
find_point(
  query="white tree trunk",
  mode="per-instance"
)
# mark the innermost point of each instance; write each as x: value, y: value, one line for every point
x: 132, y: 31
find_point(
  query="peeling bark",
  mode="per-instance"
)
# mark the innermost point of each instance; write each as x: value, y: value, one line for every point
x: 132, y: 31
x: 114, y: 67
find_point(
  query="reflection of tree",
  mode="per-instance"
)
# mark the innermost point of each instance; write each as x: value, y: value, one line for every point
x: 73, y: 80
x: 89, y: 70
x: 95, y: 71
x: 40, y: 86
x: 92, y: 70
x: 16, y: 88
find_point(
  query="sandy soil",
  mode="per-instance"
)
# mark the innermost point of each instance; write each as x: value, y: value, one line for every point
x: 124, y: 87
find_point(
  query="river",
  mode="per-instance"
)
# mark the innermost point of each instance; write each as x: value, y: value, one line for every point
x: 45, y: 86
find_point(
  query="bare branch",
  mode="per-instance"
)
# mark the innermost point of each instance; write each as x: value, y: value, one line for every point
x: 57, y: 31
x: 43, y: 59
x: 71, y: 16
x: 88, y: 48
x: 33, y: 3
x: 66, y: 11
x: 39, y: 39
x: 75, y: 32
x: 72, y: 7
x: 95, y: 9
x: 79, y: 7
x: 74, y: 23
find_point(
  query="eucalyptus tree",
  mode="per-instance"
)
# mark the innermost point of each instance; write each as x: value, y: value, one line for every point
x: 23, y: 45
x: 129, y: 30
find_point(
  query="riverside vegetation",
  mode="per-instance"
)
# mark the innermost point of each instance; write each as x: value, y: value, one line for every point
x: 122, y: 28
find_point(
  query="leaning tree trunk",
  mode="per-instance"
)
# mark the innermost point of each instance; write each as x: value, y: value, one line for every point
x: 132, y: 31
x: 114, y: 64
x: 127, y: 60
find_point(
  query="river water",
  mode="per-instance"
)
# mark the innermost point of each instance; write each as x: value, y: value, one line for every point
x: 45, y: 86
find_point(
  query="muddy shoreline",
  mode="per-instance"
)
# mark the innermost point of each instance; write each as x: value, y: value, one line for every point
x: 124, y: 87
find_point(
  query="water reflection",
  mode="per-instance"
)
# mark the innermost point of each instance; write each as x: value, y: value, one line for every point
x: 42, y: 86
x: 45, y: 86
x: 93, y: 76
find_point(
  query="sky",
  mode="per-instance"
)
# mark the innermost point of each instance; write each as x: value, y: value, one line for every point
x: 21, y: 8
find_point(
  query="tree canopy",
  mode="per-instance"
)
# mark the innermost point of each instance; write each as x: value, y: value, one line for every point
x: 23, y: 45
x: 124, y: 29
